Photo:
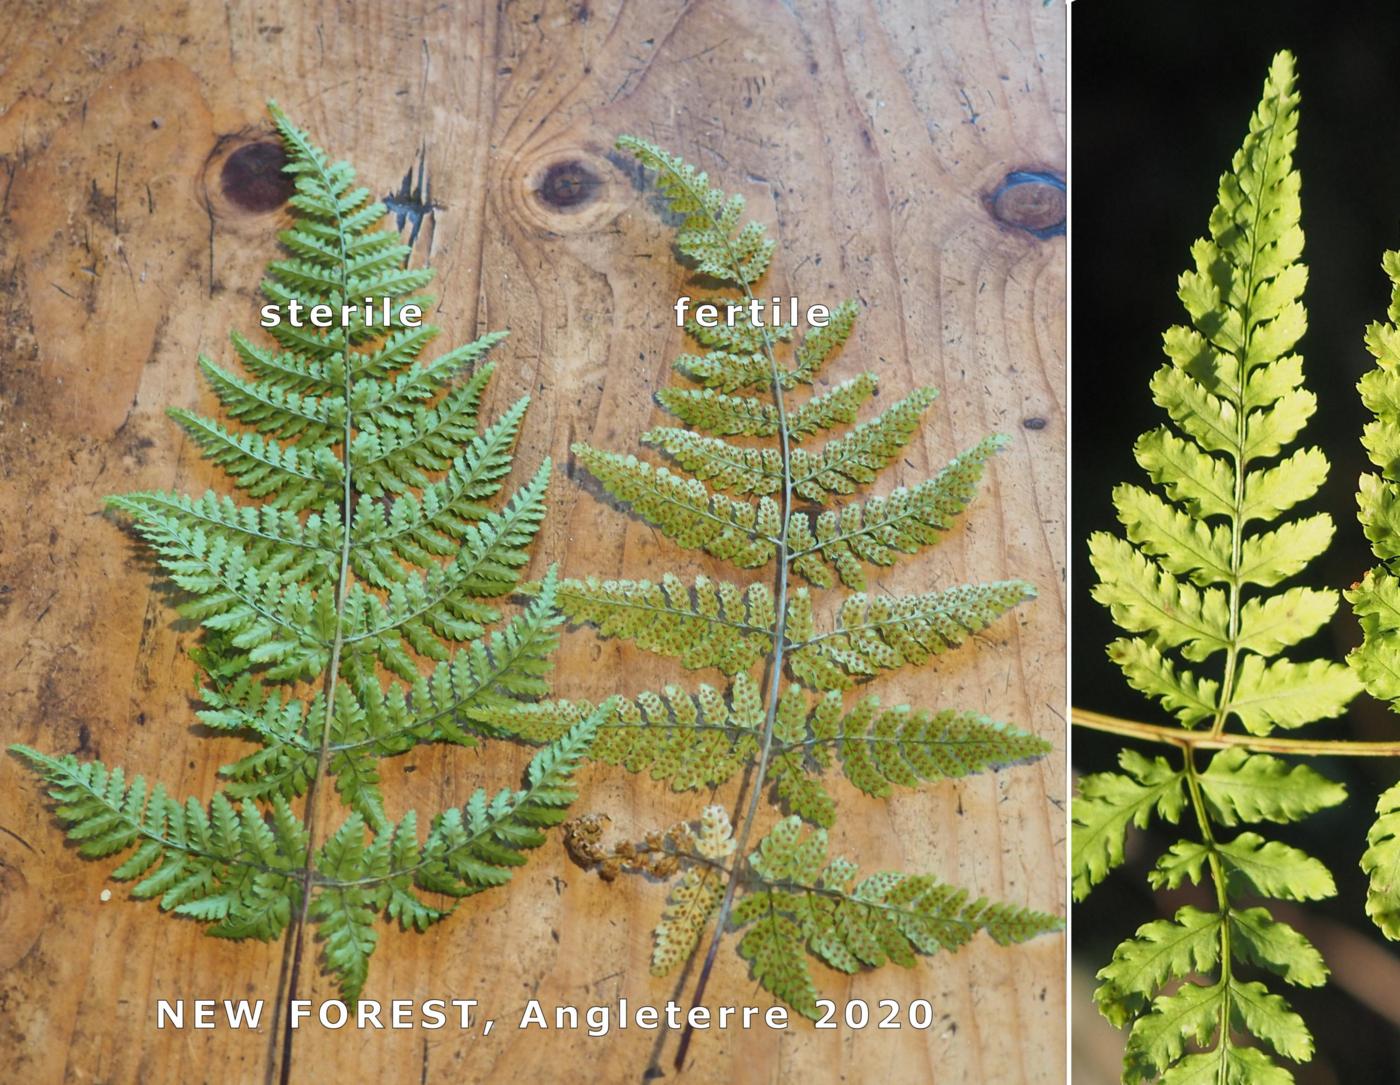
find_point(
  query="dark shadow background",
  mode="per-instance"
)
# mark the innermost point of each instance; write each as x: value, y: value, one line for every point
x: 1162, y: 96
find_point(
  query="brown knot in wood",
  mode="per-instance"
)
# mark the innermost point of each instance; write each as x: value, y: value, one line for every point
x: 568, y: 186
x: 1030, y: 200
x: 252, y: 177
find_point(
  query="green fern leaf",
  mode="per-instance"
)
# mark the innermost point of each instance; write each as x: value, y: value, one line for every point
x: 367, y: 559
x: 723, y: 465
x: 838, y: 405
x: 1381, y: 862
x: 710, y: 233
x: 720, y: 414
x: 707, y: 624
x: 1193, y: 579
x: 1182, y: 692
x: 1252, y: 863
x: 1245, y: 787
x: 1108, y: 802
x: 1158, y: 1039
x: 875, y: 633
x: 856, y: 459
x: 1235, y: 392
x: 701, y: 740
x: 1159, y: 951
x: 880, y: 529
x: 819, y: 344
x: 1262, y: 941
x: 737, y: 531
x: 1376, y: 662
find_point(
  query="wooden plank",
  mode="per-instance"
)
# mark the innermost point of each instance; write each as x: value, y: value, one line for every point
x: 870, y: 136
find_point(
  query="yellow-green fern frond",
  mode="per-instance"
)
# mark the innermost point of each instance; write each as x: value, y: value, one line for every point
x: 1199, y: 576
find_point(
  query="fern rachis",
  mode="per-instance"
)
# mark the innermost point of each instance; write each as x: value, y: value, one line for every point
x: 345, y: 611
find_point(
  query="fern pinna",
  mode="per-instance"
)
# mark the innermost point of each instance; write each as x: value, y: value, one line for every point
x: 1196, y: 580
x: 345, y: 605
x: 771, y: 501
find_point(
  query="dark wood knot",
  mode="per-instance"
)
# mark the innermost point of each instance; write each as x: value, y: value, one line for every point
x: 1032, y: 201
x: 568, y: 186
x: 252, y: 177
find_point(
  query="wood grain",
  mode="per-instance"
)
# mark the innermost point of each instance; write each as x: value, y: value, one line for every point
x: 872, y: 137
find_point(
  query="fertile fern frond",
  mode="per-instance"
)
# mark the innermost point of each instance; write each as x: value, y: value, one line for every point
x: 731, y: 488
x: 346, y: 605
x: 840, y: 467
x: 710, y: 232
x: 687, y: 740
x: 1193, y: 580
x: 882, y: 528
x: 743, y: 532
x: 716, y: 624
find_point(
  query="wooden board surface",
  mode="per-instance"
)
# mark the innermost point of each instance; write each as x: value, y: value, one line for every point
x: 872, y: 137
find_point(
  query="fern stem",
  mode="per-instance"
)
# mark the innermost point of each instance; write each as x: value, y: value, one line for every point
x: 296, y: 935
x: 1208, y: 740
x: 1222, y: 898
x: 1232, y: 660
x: 775, y: 672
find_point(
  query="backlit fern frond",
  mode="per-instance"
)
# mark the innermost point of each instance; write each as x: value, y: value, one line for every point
x: 350, y: 605
x: 1376, y: 662
x: 731, y: 486
x: 1196, y: 578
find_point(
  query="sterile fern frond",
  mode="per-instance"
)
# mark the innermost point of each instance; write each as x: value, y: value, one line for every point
x: 1197, y: 578
x: 346, y: 603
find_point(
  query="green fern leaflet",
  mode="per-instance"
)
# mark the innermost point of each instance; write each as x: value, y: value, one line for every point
x: 349, y: 605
